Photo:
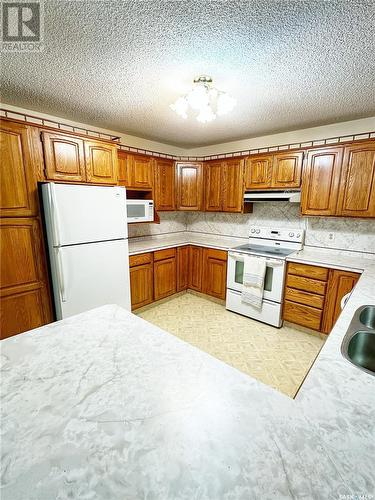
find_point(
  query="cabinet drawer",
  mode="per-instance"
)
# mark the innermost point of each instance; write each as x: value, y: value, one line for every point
x: 307, y: 298
x: 318, y: 273
x: 309, y: 317
x: 216, y: 254
x: 138, y: 260
x: 306, y: 284
x: 168, y: 253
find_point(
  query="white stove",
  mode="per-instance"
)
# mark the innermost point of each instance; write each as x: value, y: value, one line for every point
x: 273, y: 244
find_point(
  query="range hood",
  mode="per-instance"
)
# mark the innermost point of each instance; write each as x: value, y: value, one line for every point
x: 263, y: 196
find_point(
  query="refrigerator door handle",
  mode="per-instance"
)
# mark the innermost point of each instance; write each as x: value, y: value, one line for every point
x: 55, y: 216
x: 60, y: 272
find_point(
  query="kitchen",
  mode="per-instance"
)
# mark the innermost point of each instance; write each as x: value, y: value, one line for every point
x: 187, y: 315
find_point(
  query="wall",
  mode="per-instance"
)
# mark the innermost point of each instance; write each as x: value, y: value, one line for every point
x: 340, y: 233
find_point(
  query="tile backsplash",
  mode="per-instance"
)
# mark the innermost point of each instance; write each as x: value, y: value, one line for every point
x: 170, y: 222
x: 325, y: 232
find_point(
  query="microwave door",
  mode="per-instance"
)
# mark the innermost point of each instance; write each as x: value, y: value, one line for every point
x: 136, y: 211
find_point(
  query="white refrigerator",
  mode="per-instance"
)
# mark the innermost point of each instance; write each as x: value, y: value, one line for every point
x: 87, y: 236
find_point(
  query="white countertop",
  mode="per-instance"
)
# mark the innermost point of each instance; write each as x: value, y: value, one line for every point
x: 104, y: 405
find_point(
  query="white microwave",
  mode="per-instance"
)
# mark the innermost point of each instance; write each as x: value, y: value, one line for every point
x: 140, y: 210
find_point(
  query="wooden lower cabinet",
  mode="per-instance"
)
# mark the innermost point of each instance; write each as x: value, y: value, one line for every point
x: 339, y: 284
x: 165, y: 282
x: 195, y: 268
x: 25, y: 301
x: 141, y: 279
x: 182, y: 268
x: 214, y: 272
x: 303, y: 315
x: 313, y: 295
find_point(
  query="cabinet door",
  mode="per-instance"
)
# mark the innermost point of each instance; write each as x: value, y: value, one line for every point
x: 64, y: 157
x: 320, y: 182
x: 189, y: 186
x: 195, y: 268
x: 164, y: 188
x: 214, y: 272
x: 213, y: 186
x: 182, y: 268
x: 25, y: 302
x: 164, y: 278
x: 357, y: 185
x: 142, y: 171
x: 141, y: 285
x: 101, y: 162
x: 286, y: 170
x: 339, y: 284
x: 18, y: 184
x: 258, y: 174
x: 124, y: 166
x: 233, y: 187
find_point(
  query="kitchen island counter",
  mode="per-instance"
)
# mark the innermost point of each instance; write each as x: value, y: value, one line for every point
x: 105, y: 405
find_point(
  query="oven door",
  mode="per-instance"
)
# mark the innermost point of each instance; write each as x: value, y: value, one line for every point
x: 273, y: 281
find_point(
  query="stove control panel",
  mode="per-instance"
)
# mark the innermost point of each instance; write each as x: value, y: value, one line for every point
x: 279, y: 234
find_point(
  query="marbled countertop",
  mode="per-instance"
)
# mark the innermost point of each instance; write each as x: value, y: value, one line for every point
x: 104, y: 405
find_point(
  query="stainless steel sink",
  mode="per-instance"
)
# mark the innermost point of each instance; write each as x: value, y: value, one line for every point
x: 367, y: 317
x: 358, y: 345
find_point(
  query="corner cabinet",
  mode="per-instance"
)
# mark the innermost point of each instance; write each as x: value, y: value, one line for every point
x: 72, y: 159
x: 189, y: 186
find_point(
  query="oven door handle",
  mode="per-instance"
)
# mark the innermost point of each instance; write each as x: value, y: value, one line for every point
x: 270, y: 263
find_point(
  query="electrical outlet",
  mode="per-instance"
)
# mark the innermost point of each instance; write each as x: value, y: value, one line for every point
x: 331, y: 236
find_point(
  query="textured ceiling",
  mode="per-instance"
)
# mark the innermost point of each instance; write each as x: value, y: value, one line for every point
x: 119, y: 64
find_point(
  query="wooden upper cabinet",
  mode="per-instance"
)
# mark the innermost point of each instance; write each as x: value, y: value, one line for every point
x: 123, y: 168
x: 320, y: 182
x: 214, y: 272
x: 357, y: 186
x: 339, y: 284
x: 286, y: 170
x: 101, y: 162
x: 18, y: 185
x: 213, y: 186
x: 64, y: 157
x: 233, y: 185
x: 24, y: 295
x: 142, y: 170
x: 258, y: 172
x: 164, y: 185
x: 189, y: 186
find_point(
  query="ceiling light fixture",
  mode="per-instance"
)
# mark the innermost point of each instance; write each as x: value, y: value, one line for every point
x: 206, y: 99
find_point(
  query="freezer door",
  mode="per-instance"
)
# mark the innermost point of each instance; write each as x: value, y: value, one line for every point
x: 83, y: 214
x: 90, y: 275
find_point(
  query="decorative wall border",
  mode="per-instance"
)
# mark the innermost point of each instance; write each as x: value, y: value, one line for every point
x: 34, y: 120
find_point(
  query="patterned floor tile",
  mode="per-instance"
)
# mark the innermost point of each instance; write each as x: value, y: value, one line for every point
x: 277, y: 357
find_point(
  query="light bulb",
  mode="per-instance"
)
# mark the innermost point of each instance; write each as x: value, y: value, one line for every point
x: 198, y: 97
x: 180, y: 107
x: 224, y: 104
x: 206, y: 115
